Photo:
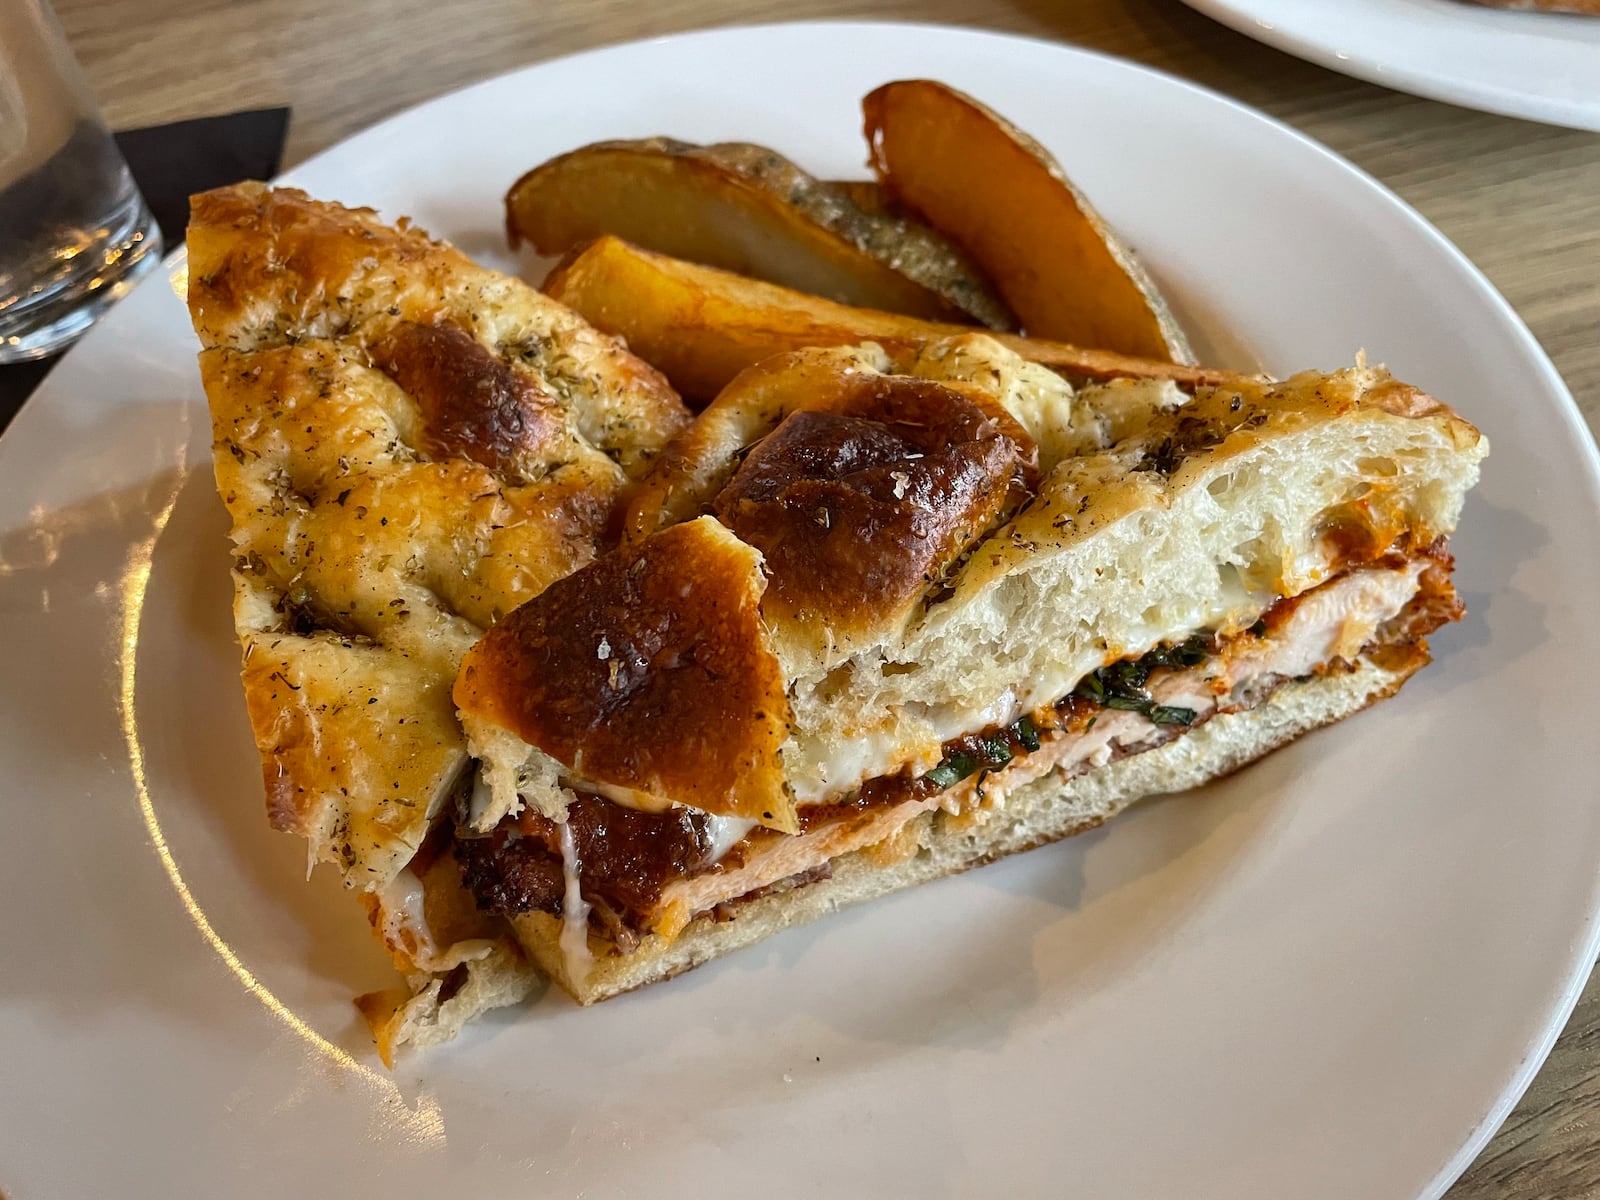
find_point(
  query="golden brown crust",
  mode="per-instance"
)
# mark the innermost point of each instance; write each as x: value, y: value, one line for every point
x: 649, y: 670
x: 315, y: 703
x: 244, y: 242
x: 472, y: 404
x: 699, y: 462
x: 269, y: 266
x: 409, y: 446
x: 856, y: 508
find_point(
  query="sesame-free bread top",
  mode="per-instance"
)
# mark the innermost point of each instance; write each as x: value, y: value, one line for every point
x: 1036, y: 535
x: 409, y: 446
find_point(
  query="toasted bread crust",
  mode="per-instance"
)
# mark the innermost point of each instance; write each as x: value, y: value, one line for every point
x: 649, y: 670
x: 409, y: 446
x: 856, y: 507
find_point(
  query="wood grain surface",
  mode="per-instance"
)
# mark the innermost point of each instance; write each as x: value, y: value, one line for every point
x: 1522, y: 200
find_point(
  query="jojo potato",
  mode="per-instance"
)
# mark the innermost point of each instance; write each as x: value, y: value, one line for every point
x: 868, y: 195
x: 702, y: 326
x: 747, y: 209
x: 1001, y: 196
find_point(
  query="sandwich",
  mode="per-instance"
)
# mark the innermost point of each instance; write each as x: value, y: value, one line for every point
x: 569, y: 682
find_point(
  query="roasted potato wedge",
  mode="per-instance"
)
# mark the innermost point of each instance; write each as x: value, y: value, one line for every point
x: 868, y: 195
x: 1001, y: 196
x: 750, y: 210
x: 702, y: 326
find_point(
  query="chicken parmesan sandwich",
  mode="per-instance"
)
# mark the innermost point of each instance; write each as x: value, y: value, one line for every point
x: 567, y: 680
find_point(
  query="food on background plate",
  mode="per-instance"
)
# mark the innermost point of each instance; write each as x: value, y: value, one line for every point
x: 748, y: 209
x: 701, y: 326
x: 1581, y: 7
x: 867, y: 195
x: 1005, y: 200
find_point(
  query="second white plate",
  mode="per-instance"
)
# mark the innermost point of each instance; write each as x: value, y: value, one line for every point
x: 1538, y: 66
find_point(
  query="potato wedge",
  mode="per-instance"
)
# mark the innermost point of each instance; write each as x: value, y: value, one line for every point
x: 701, y: 326
x: 748, y: 209
x: 868, y: 195
x: 1003, y: 198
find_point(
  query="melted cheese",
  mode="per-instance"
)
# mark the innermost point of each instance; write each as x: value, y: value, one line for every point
x: 725, y: 834
x: 1336, y: 621
x: 822, y: 770
x: 404, y: 925
x: 574, y: 915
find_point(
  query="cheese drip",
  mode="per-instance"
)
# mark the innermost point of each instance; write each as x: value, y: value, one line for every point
x: 574, y: 915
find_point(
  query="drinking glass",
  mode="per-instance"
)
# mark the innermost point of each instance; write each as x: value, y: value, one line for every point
x: 74, y: 231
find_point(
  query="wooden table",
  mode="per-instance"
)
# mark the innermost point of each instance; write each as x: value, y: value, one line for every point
x: 1522, y: 200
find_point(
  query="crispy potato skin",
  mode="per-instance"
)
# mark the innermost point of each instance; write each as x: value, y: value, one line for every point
x: 746, y: 208
x: 1002, y: 197
x: 700, y: 326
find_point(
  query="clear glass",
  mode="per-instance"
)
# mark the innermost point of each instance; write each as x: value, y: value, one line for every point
x: 74, y: 230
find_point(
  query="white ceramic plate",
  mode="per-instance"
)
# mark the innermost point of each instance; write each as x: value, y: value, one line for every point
x: 1329, y: 977
x: 1539, y: 66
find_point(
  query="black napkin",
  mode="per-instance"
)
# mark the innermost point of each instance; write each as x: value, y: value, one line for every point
x: 170, y: 163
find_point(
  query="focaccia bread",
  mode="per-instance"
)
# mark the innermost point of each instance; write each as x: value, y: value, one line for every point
x: 874, y: 622
x: 558, y: 675
x: 409, y: 447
